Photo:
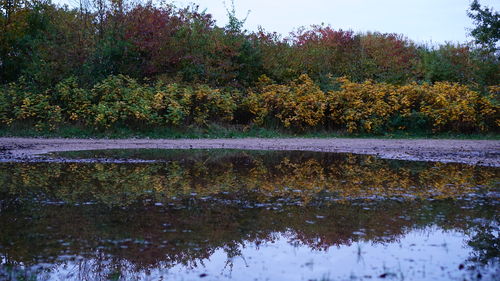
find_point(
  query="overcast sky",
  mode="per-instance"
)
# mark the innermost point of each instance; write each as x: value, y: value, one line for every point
x: 434, y: 21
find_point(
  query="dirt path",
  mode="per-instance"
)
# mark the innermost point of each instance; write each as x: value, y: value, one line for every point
x: 477, y: 152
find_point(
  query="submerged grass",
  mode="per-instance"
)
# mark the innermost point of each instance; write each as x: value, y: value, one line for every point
x: 217, y: 131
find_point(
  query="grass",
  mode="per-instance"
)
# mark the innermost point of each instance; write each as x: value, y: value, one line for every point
x: 217, y: 131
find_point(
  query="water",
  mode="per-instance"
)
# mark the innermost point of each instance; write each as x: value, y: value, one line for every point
x: 240, y: 215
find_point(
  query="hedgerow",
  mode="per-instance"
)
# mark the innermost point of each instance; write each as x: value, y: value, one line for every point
x: 298, y: 105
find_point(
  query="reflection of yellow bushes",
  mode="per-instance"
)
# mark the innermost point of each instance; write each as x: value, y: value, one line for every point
x: 295, y: 179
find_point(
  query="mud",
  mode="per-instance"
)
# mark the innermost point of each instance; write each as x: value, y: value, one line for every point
x: 475, y: 152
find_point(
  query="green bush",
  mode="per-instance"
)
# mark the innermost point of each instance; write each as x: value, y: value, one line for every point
x: 121, y: 99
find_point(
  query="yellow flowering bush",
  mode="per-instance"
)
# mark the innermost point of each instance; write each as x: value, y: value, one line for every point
x: 455, y: 107
x: 299, y: 104
x: 122, y: 99
x: 5, y: 107
x: 364, y: 106
x: 18, y: 103
x: 443, y: 106
x: 75, y: 102
x: 209, y: 104
x: 172, y: 103
x: 490, y: 108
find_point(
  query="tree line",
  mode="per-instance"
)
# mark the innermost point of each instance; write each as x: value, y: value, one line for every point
x: 43, y: 45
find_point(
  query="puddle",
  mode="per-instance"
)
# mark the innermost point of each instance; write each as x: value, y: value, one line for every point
x: 246, y: 215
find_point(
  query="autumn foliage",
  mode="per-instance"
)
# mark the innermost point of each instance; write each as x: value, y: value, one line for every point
x: 114, y: 63
x: 299, y: 105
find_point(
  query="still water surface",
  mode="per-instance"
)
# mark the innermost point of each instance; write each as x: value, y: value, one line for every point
x: 241, y: 215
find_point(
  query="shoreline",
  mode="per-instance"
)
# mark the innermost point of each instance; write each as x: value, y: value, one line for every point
x: 473, y: 152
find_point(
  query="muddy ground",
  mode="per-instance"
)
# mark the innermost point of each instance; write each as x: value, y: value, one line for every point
x: 476, y: 152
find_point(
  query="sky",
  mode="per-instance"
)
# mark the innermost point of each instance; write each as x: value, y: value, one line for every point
x: 424, y: 21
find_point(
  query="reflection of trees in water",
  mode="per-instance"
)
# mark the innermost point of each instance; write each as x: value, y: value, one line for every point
x: 133, y: 241
x: 256, y: 177
x: 211, y: 196
x: 485, y: 245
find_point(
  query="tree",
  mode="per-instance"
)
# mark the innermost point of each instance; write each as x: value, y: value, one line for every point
x: 235, y: 25
x: 487, y: 21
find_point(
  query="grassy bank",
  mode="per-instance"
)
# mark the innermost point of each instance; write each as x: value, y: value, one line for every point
x: 216, y: 131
